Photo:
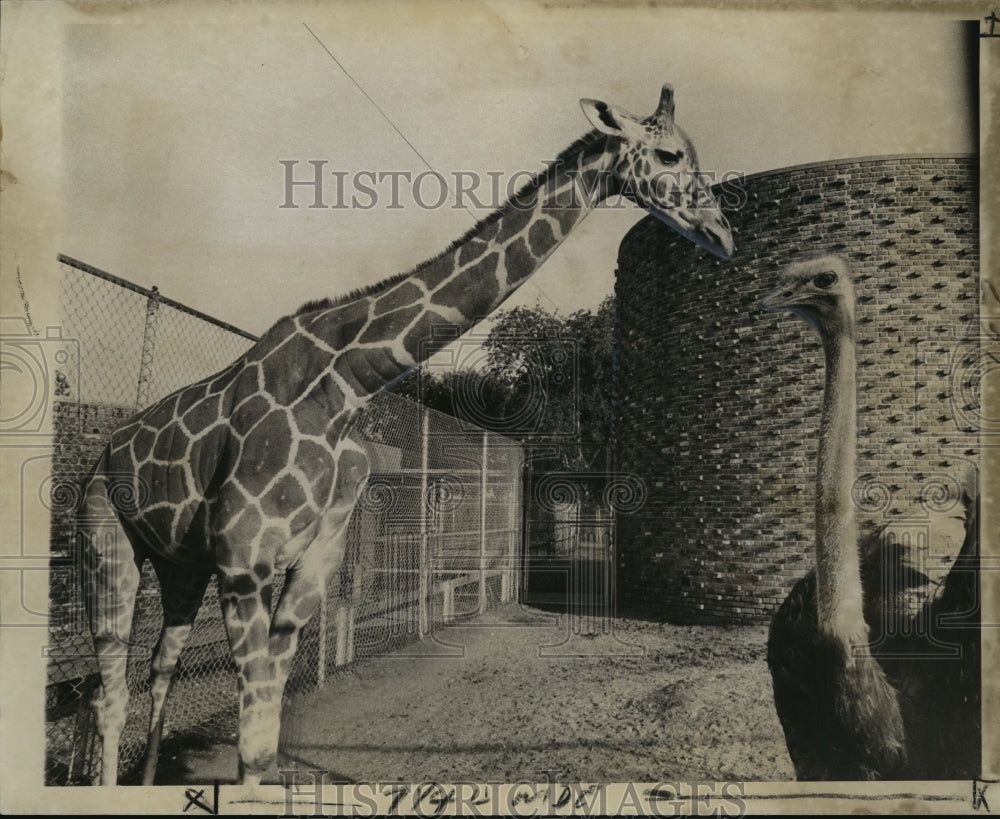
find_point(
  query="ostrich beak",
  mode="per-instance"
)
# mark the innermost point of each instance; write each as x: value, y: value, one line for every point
x: 778, y: 299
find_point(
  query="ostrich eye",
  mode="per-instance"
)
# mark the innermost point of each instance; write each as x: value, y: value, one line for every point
x: 669, y: 158
x: 825, y: 280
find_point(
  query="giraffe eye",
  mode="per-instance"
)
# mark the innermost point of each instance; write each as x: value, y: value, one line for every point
x: 825, y: 280
x: 669, y: 158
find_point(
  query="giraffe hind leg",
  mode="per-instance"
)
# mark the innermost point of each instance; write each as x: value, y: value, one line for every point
x: 109, y: 573
x: 181, y: 591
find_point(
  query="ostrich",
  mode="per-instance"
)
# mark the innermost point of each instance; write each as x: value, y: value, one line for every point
x: 875, y: 670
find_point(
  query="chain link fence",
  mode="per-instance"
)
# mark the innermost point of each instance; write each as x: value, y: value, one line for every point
x: 435, y: 535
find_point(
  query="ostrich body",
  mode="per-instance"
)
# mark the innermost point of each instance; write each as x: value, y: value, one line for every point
x: 868, y: 683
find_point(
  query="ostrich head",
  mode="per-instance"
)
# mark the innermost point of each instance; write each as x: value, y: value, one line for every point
x: 657, y: 168
x: 819, y: 291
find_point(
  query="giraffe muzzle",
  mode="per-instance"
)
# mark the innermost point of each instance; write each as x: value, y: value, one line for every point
x: 708, y: 228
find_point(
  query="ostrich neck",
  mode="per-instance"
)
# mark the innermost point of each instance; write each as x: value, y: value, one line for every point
x: 838, y: 572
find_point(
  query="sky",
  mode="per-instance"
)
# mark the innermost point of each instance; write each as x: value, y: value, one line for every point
x: 175, y: 124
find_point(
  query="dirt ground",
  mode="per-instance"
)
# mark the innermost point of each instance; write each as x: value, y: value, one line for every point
x: 516, y: 693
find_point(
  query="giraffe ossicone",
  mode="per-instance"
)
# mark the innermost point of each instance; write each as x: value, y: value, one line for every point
x: 257, y: 467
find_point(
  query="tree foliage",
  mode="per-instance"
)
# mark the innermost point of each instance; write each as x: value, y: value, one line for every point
x: 547, y: 380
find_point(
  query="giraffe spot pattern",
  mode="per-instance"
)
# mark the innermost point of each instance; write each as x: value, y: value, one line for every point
x: 514, y: 221
x: 196, y: 534
x: 567, y: 218
x: 340, y: 326
x: 315, y: 461
x: 284, y: 498
x: 311, y: 416
x: 275, y: 536
x: 246, y: 606
x: 337, y: 426
x: 240, y: 584
x: 248, y: 414
x: 402, y: 295
x: 144, y: 474
x: 316, y: 408
x: 226, y: 377
x: 296, y: 362
x: 541, y: 238
x: 352, y: 467
x: 472, y: 250
x: 144, y: 439
x: 280, y: 642
x: 488, y: 231
x: 389, y: 325
x: 271, y: 340
x: 265, y: 452
x: 256, y: 667
x: 202, y: 415
x: 384, y: 365
x: 160, y: 415
x: 171, y: 444
x: 345, y: 367
x: 306, y: 517
x: 204, y: 455
x: 367, y: 371
x: 518, y: 261
x: 479, y: 280
x: 246, y: 383
x: 421, y: 341
x: 159, y: 519
x: 171, y: 484
x: 244, y: 530
x: 436, y: 271
x: 190, y: 396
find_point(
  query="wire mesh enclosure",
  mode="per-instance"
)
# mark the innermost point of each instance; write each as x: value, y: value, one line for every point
x: 435, y: 534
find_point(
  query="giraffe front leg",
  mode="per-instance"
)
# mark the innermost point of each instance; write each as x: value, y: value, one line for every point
x: 246, y: 603
x: 181, y: 591
x: 264, y: 651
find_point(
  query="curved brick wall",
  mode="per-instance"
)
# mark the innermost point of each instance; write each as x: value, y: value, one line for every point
x: 718, y: 404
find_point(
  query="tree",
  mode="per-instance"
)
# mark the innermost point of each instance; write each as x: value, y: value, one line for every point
x: 547, y: 381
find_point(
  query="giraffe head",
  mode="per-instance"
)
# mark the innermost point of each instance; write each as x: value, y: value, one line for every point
x: 657, y: 168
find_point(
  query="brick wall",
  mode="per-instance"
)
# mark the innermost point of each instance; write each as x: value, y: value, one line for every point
x: 718, y: 404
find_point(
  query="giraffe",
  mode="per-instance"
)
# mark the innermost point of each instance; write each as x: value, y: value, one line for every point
x: 256, y: 468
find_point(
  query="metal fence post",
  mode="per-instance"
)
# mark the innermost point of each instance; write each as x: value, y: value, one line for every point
x: 510, y: 573
x: 483, y: 484
x: 343, y: 626
x: 424, y: 568
x: 148, y: 350
x: 321, y: 651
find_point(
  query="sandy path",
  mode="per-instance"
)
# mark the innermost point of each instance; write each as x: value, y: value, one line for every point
x: 515, y: 696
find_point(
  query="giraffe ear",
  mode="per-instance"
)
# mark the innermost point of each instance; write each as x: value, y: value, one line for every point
x: 603, y: 117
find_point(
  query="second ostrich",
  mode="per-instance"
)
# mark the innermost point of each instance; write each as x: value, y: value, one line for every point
x: 867, y: 684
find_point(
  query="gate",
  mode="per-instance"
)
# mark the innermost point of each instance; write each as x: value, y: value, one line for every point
x: 568, y: 556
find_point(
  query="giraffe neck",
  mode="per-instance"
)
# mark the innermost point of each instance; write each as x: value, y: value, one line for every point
x: 381, y: 337
x: 838, y: 572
